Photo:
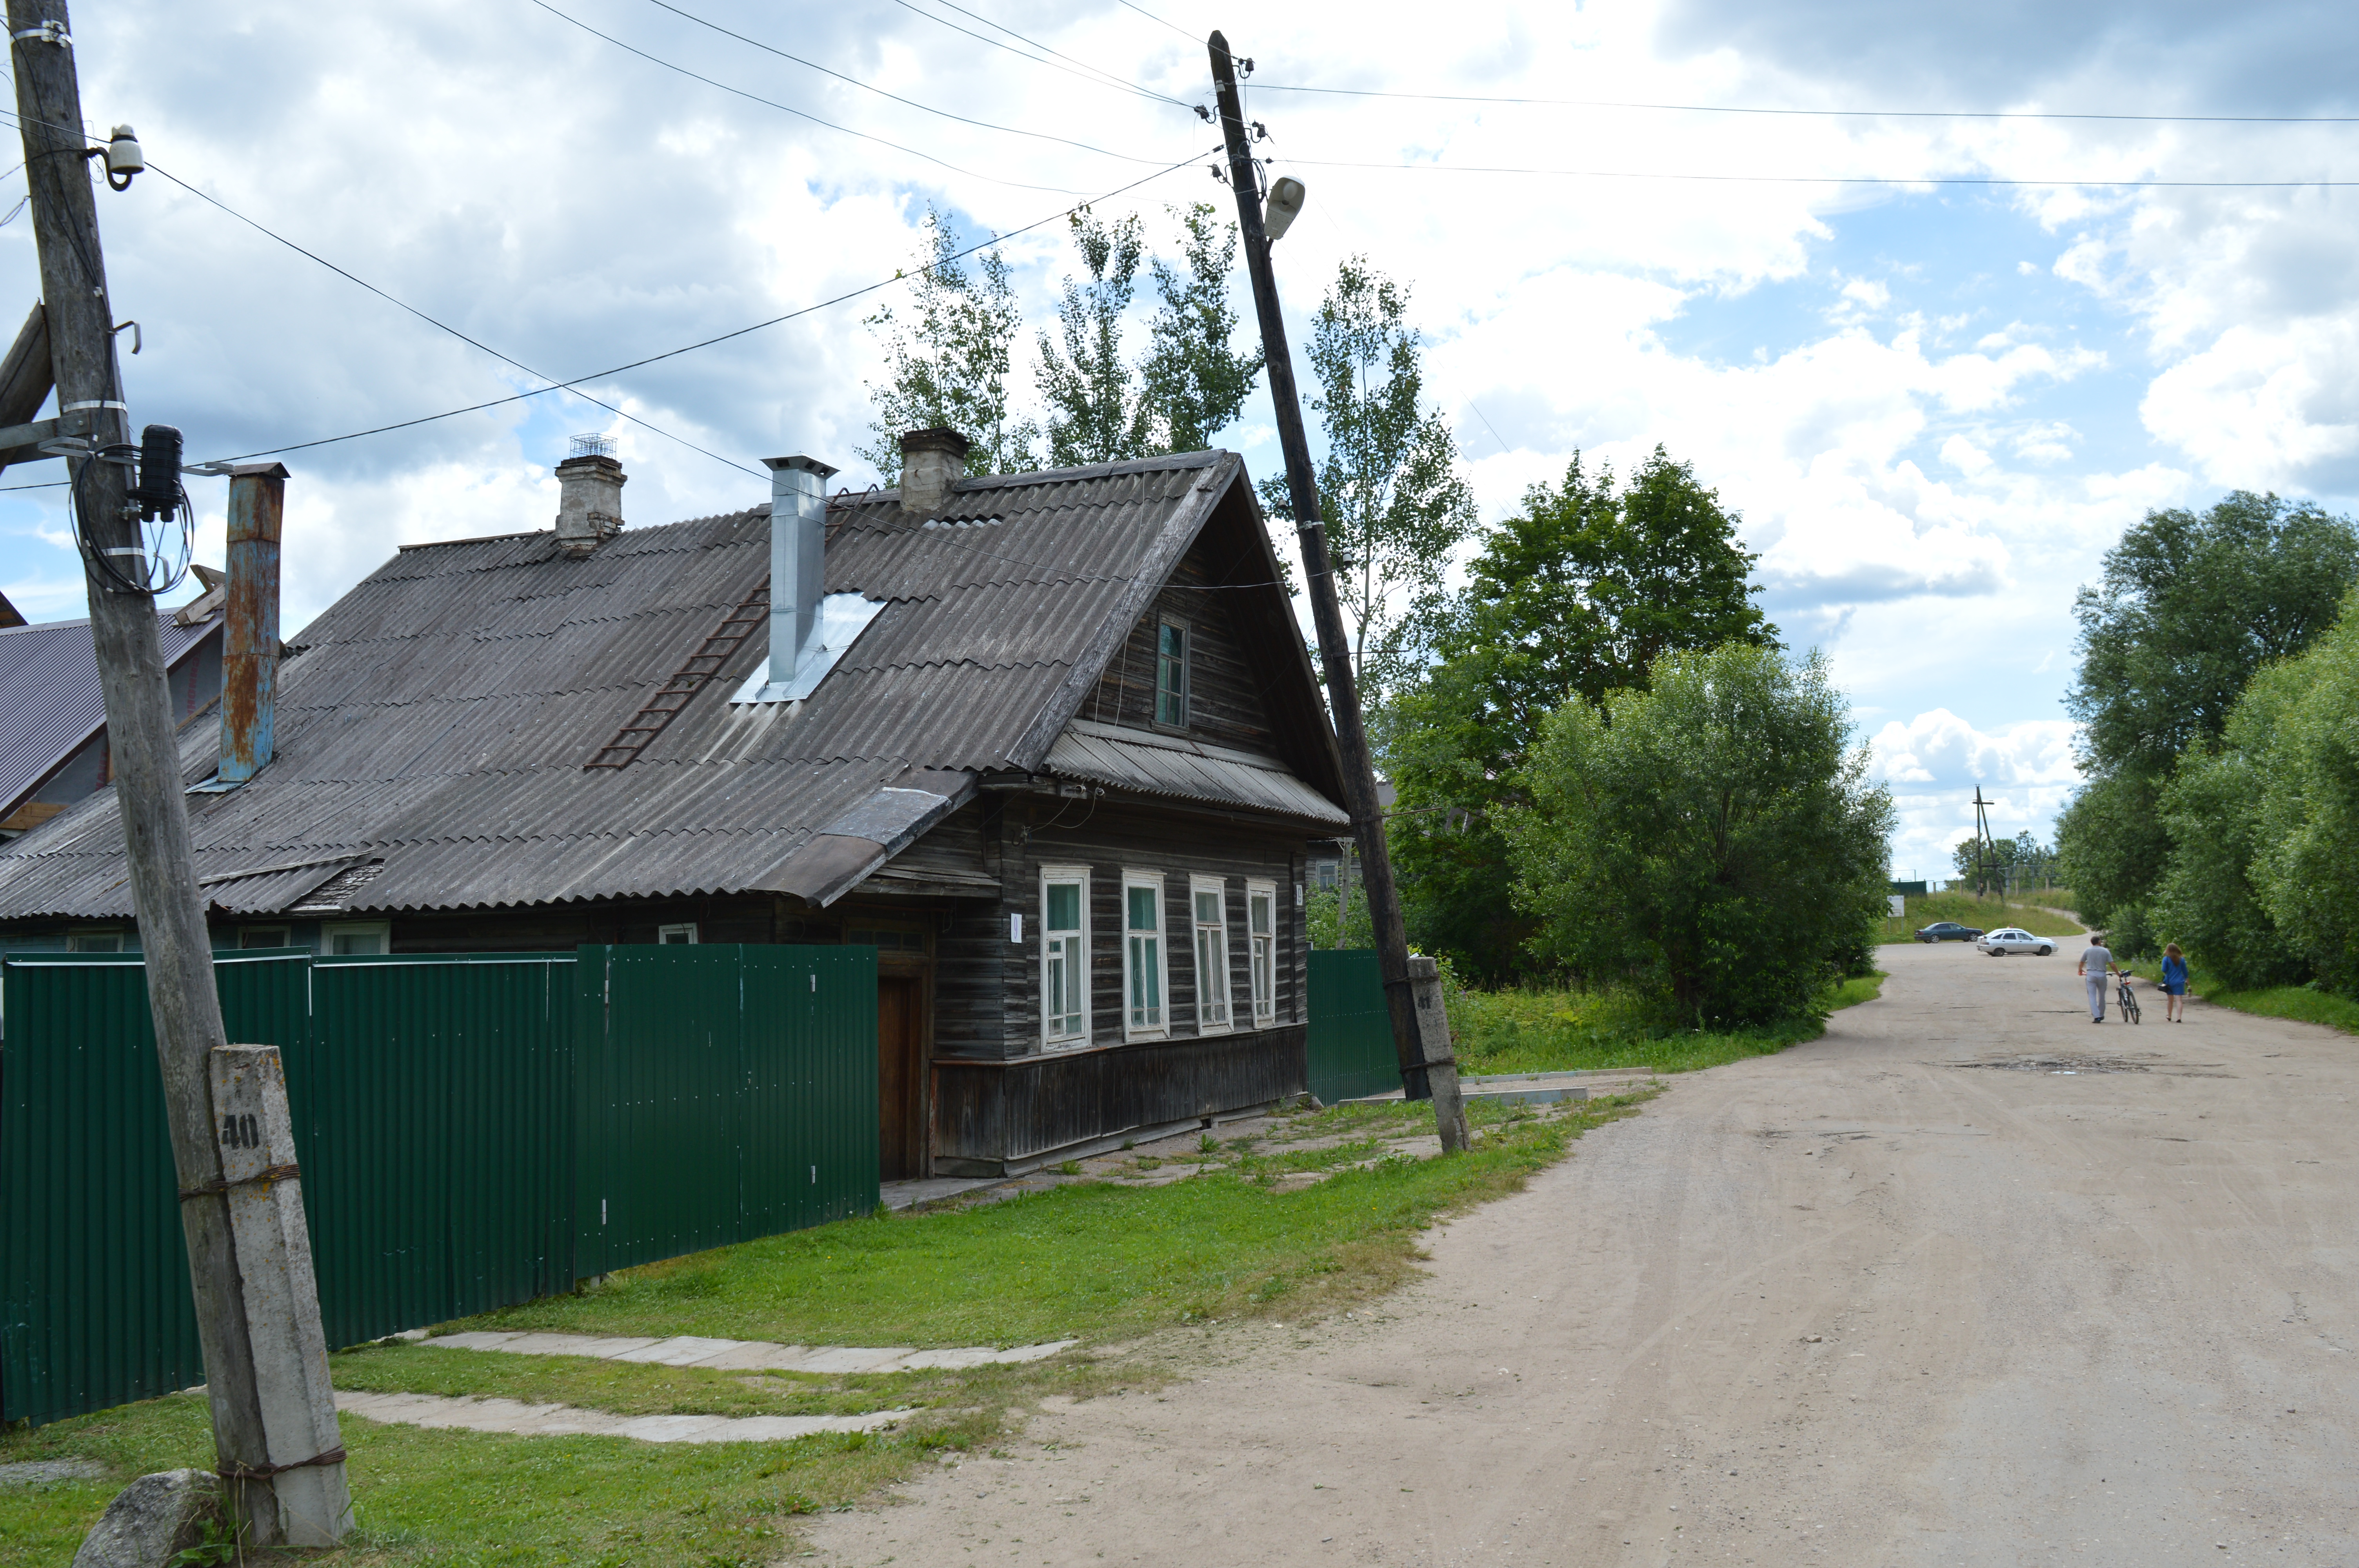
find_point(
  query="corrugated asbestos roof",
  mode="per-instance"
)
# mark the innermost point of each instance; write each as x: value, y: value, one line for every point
x: 49, y: 700
x: 436, y: 718
x: 1190, y: 769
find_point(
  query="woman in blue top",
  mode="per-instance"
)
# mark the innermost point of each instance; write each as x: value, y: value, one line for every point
x: 2174, y: 983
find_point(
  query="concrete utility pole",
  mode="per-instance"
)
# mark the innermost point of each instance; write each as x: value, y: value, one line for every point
x: 168, y: 905
x: 1412, y: 994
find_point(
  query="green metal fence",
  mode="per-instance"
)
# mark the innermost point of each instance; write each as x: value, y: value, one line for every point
x: 725, y: 1093
x: 447, y: 1111
x: 1350, y: 1042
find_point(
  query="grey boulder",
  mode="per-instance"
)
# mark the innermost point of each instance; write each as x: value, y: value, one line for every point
x: 152, y: 1518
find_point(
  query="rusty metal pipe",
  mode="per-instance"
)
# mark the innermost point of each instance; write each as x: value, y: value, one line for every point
x: 257, y: 505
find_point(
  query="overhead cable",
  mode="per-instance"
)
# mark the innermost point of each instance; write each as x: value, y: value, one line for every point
x: 707, y: 343
x: 798, y: 113
x: 1831, y: 113
x: 1151, y: 16
x: 1088, y: 74
x: 438, y: 325
x: 881, y: 93
x: 1836, y: 179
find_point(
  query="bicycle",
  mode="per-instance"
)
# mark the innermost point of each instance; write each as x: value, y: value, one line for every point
x: 2128, y: 999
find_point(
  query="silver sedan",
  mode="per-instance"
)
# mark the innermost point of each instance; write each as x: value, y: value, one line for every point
x: 2010, y: 939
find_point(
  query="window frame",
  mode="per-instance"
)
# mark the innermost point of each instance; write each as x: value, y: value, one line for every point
x: 381, y: 929
x: 665, y: 933
x: 246, y: 933
x: 1186, y: 669
x: 76, y: 940
x: 1218, y: 887
x: 1077, y: 877
x: 1261, y: 953
x: 1160, y: 1027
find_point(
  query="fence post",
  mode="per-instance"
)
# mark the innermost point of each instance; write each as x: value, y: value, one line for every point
x: 306, y: 1467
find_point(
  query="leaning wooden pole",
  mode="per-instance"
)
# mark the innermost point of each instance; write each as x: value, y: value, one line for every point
x: 1421, y: 1037
x: 166, y: 900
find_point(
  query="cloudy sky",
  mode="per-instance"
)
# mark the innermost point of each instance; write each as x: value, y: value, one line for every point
x: 1934, y: 403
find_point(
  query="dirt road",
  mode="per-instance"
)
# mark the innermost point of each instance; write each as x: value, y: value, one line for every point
x: 1894, y: 1297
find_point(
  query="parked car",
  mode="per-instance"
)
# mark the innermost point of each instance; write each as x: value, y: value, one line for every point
x: 1947, y: 931
x: 1999, y: 944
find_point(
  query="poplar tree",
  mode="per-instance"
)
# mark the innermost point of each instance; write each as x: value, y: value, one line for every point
x: 948, y: 354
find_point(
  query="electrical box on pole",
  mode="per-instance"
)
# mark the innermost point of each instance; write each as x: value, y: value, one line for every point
x: 133, y: 540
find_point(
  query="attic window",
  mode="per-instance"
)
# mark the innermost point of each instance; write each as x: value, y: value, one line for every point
x: 962, y: 523
x: 1172, y: 673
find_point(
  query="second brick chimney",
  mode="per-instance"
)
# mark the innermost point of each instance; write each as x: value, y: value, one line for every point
x: 931, y: 462
x: 590, y: 496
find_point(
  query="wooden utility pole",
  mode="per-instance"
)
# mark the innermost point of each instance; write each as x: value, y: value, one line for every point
x: 166, y: 900
x: 1429, y: 1069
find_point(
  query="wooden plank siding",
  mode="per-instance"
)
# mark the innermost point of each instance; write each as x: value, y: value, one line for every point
x: 1225, y: 696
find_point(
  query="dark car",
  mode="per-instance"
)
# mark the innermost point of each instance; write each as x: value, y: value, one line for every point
x: 1947, y: 931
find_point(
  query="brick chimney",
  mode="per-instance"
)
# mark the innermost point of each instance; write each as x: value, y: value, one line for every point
x: 590, y: 496
x: 931, y: 462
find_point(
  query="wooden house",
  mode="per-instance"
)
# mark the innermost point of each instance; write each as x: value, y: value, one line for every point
x: 1049, y: 741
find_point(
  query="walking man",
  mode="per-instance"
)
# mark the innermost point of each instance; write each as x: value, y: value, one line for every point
x: 2097, y: 964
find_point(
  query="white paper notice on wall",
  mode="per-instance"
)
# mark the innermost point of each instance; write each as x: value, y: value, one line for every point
x: 1016, y: 927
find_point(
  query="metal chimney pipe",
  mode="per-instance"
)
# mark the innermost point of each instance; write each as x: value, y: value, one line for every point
x: 257, y: 505
x: 797, y: 558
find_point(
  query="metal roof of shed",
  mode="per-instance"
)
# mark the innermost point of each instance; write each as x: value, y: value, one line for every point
x: 49, y: 699
x: 434, y: 722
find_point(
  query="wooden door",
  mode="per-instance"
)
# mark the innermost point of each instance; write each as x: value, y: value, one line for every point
x: 900, y: 1078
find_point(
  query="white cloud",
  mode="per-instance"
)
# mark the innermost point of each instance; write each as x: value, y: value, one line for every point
x: 1935, y: 761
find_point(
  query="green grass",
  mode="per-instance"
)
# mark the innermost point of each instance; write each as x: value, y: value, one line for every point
x: 1536, y: 1030
x: 2303, y: 1004
x: 466, y: 1500
x: 1088, y: 1259
x: 2039, y: 918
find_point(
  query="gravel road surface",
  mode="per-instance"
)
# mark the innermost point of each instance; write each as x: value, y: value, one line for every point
x: 1969, y: 1281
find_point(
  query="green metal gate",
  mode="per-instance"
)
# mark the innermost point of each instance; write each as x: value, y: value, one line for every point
x: 725, y: 1093
x: 94, y: 1306
x: 1350, y: 1040
x: 448, y: 1108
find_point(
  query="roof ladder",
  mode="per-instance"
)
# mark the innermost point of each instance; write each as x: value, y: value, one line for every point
x: 702, y: 665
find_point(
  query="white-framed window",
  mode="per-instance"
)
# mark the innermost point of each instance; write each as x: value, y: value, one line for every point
x: 680, y: 936
x: 93, y: 941
x: 1145, y: 978
x: 1171, y: 638
x: 1208, y: 900
x: 357, y: 939
x: 1064, y: 955
x: 250, y: 936
x: 1261, y: 931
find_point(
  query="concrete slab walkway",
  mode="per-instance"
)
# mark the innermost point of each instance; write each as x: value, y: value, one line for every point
x: 524, y: 1420
x: 751, y: 1355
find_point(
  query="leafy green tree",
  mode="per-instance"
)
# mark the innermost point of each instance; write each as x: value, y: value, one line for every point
x: 2190, y: 607
x: 1576, y: 595
x: 1389, y: 489
x: 2213, y: 808
x: 2306, y: 871
x: 2111, y: 845
x: 2007, y: 855
x: 1095, y: 414
x: 1714, y: 838
x: 947, y: 351
x: 1192, y: 386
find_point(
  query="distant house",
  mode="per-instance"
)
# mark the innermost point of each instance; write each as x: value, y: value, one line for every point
x: 53, y: 720
x: 1051, y: 742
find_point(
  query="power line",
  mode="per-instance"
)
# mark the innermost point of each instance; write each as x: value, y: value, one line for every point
x: 1151, y: 16
x: 799, y: 114
x: 706, y: 343
x: 881, y: 93
x: 440, y: 326
x: 1833, y: 114
x: 1087, y: 72
x: 1838, y: 179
